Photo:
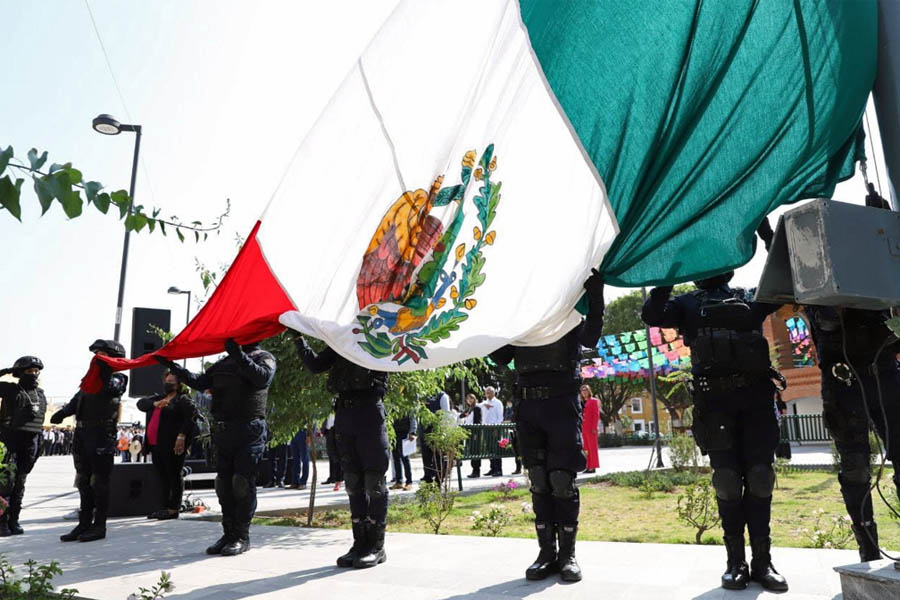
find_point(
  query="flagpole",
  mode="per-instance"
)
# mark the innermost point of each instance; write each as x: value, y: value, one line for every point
x: 658, y: 444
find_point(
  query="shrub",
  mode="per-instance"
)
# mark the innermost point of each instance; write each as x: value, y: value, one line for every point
x: 661, y: 481
x: 830, y: 531
x: 435, y: 504
x: 697, y: 508
x: 506, y: 491
x: 610, y: 440
x: 683, y: 452
x: 492, y: 522
x: 162, y: 587
x: 36, y: 585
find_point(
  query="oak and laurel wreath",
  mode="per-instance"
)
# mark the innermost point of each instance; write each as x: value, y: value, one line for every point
x: 441, y: 325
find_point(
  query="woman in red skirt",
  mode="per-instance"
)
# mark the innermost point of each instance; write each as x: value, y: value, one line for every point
x: 590, y: 427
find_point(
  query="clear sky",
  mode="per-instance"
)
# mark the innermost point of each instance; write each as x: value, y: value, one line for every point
x: 225, y: 92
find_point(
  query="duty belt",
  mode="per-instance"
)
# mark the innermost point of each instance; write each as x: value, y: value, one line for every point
x: 544, y: 392
x: 219, y: 425
x: 95, y: 423
x: 353, y: 398
x: 725, y: 383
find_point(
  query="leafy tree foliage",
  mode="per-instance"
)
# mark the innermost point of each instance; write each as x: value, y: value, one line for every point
x: 624, y: 313
x: 65, y: 184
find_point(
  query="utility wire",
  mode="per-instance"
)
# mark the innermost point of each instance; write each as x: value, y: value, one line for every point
x: 871, y: 145
x: 115, y: 80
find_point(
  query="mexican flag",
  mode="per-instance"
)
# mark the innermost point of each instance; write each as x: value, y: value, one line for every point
x: 482, y: 156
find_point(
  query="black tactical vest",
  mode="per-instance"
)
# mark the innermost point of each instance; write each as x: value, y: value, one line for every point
x: 11, y: 415
x: 232, y: 396
x: 556, y: 357
x: 727, y: 338
x: 102, y: 406
x: 346, y: 376
x: 434, y: 403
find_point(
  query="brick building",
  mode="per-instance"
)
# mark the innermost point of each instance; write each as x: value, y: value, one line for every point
x: 796, y: 361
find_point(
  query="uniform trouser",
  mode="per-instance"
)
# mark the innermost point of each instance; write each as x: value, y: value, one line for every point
x: 239, y: 448
x: 278, y: 461
x: 22, y: 449
x: 739, y: 431
x: 363, y: 447
x: 402, y: 465
x: 847, y: 420
x: 429, y: 461
x: 169, y: 466
x: 299, y: 459
x: 549, y: 437
x: 93, y: 451
x: 335, y: 472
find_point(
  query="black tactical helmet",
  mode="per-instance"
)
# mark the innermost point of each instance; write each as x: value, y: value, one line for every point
x: 27, y: 362
x: 711, y: 283
x: 111, y: 347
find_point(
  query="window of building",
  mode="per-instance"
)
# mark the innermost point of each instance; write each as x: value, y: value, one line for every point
x: 636, y: 405
x: 638, y: 426
x: 801, y: 342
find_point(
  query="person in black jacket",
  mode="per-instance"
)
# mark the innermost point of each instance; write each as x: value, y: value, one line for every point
x: 405, y: 428
x: 21, y: 424
x: 548, y: 430
x: 170, y: 425
x: 94, y: 444
x: 362, y: 444
x: 472, y: 416
x: 734, y: 412
x: 240, y: 387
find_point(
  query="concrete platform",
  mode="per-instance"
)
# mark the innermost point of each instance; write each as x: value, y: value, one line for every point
x: 870, y: 581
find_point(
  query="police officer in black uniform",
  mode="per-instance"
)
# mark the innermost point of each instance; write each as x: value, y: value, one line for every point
x: 94, y: 444
x: 362, y: 444
x: 734, y: 412
x: 870, y: 364
x: 240, y: 387
x: 548, y: 429
x: 21, y: 425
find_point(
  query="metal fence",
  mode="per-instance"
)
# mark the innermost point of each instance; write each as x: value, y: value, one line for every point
x: 484, y: 443
x: 804, y: 428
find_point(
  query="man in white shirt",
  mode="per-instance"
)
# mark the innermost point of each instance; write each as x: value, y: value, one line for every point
x: 492, y: 414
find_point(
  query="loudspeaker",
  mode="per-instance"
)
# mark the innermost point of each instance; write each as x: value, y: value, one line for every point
x: 147, y: 380
x: 134, y: 490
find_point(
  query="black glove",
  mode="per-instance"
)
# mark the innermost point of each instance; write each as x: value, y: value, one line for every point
x: 765, y: 233
x: 6, y: 371
x: 164, y: 361
x: 57, y: 418
x: 594, y: 287
x: 232, y: 348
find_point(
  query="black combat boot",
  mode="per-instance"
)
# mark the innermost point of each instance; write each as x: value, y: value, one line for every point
x: 13, y: 516
x: 565, y: 560
x: 761, y: 569
x: 867, y: 539
x: 374, y: 553
x: 83, y: 525
x: 359, y: 545
x: 545, y: 563
x: 96, y: 532
x: 240, y: 542
x: 4, y: 526
x: 737, y: 573
x: 227, y: 538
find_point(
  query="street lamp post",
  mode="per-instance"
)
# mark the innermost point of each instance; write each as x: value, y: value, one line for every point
x: 658, y: 443
x: 187, y: 316
x: 107, y: 125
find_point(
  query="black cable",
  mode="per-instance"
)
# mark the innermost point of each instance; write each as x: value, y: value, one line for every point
x: 862, y: 391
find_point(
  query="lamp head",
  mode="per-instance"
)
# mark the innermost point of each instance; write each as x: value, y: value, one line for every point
x: 106, y: 125
x: 175, y: 290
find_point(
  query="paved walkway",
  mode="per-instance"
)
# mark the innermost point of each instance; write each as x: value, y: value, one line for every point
x: 287, y: 562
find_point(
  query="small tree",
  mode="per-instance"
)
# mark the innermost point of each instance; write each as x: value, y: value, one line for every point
x: 683, y: 451
x: 697, y: 508
x: 446, y: 439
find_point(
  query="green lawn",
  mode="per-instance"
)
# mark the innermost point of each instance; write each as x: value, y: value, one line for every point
x: 623, y: 514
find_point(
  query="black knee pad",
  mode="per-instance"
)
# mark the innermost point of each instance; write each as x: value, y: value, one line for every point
x: 82, y: 482
x: 540, y: 482
x: 855, y: 469
x: 761, y: 481
x: 100, y: 485
x: 728, y: 484
x: 219, y: 485
x: 562, y: 484
x: 374, y: 486
x: 353, y: 482
x: 240, y: 486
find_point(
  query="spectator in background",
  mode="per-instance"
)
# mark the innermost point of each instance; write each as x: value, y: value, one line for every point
x: 300, y: 460
x: 471, y: 415
x: 437, y: 404
x: 170, y: 425
x: 492, y: 414
x: 122, y: 445
x: 509, y: 416
x: 404, y: 429
x: 590, y: 427
x: 335, y: 471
